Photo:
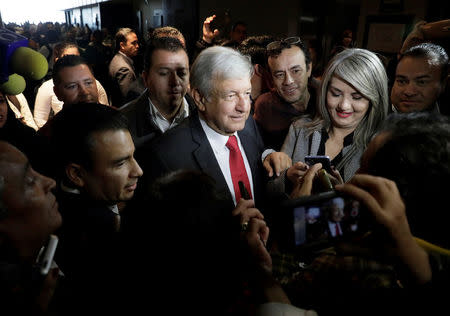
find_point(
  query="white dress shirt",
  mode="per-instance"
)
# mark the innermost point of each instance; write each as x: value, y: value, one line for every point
x: 222, y: 153
x: 162, y: 123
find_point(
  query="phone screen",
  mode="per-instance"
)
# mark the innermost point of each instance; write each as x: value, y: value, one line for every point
x: 325, y: 220
x: 319, y: 220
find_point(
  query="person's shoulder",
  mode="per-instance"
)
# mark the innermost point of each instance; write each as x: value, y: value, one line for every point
x: 266, y: 98
x: 175, y: 138
x: 131, y: 106
x: 301, y: 122
x: 116, y: 61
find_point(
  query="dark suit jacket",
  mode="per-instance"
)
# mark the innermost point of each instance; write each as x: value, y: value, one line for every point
x: 88, y: 251
x: 187, y: 147
x: 140, y: 122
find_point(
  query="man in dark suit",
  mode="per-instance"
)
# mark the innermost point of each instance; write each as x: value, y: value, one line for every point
x: 121, y: 68
x: 164, y: 103
x: 221, y: 88
x: 96, y: 171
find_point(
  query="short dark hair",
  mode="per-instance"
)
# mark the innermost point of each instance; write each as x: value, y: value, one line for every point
x: 167, y: 31
x: 168, y: 43
x: 416, y: 156
x: 435, y: 55
x: 72, y: 129
x: 282, y: 45
x: 255, y: 47
x: 60, y: 47
x: 66, y: 61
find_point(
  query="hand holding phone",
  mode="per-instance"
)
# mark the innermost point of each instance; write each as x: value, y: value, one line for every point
x: 323, y: 159
x: 46, y: 255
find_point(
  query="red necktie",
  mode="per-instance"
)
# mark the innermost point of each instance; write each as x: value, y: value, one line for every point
x: 237, y: 168
x: 338, y: 231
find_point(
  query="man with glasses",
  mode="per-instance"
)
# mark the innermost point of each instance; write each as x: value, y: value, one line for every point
x: 290, y: 66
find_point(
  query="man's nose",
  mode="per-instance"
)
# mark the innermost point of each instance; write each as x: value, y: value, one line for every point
x: 288, y: 79
x: 410, y: 89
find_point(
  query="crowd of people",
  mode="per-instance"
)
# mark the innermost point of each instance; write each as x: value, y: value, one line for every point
x: 165, y: 175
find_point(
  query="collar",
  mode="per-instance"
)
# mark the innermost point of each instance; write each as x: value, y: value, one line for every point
x: 216, y: 140
x: 126, y: 57
x: 156, y: 115
x: 183, y: 112
x: 67, y: 189
x: 348, y: 140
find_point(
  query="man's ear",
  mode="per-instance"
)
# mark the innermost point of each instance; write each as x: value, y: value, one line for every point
x: 309, y: 69
x: 122, y: 45
x: 74, y: 174
x: 56, y: 91
x: 199, y: 99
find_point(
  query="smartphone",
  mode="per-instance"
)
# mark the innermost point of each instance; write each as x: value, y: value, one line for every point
x: 243, y: 190
x: 324, y: 160
x: 319, y: 220
x: 46, y: 255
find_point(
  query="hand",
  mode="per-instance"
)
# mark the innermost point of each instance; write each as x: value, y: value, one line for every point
x: 277, y: 160
x: 335, y: 176
x: 208, y: 34
x: 297, y: 171
x: 383, y: 200
x: 48, y: 289
x: 256, y: 238
x: 245, y: 210
x: 303, y: 184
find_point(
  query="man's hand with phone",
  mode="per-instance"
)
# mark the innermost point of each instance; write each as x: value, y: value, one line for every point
x: 382, y: 198
x: 297, y: 171
x: 304, y: 184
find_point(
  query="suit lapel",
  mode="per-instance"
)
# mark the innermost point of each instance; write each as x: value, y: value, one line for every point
x: 205, y: 157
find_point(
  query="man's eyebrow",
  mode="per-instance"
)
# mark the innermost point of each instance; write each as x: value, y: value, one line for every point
x: 121, y: 159
x: 423, y: 76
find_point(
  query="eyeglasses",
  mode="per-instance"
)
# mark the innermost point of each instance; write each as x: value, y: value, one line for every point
x: 287, y: 42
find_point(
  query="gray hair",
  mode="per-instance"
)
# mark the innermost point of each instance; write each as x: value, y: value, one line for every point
x: 363, y: 70
x: 218, y: 63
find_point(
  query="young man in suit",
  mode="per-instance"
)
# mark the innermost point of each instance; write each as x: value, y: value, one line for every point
x: 96, y: 172
x: 164, y: 104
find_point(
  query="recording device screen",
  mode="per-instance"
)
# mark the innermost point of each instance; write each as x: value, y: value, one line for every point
x: 320, y: 219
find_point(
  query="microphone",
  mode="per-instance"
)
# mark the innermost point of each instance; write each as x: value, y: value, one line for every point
x: 17, y: 61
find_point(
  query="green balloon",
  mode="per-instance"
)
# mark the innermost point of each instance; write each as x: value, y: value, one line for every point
x: 15, y: 85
